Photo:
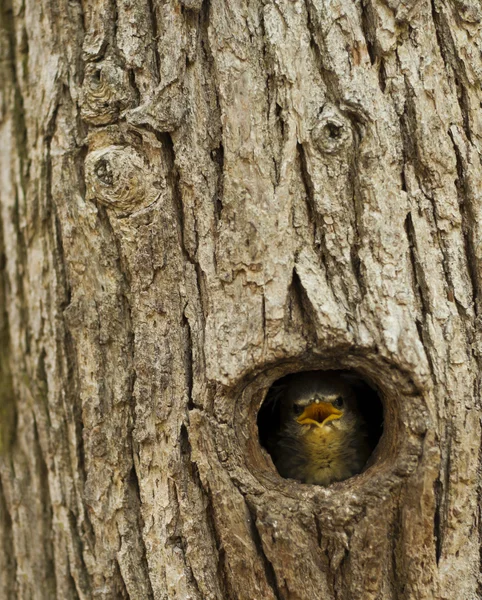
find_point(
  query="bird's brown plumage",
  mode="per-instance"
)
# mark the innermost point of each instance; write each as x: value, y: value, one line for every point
x: 316, y: 442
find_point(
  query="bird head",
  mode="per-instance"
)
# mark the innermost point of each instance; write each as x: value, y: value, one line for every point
x: 319, y: 410
x: 314, y: 401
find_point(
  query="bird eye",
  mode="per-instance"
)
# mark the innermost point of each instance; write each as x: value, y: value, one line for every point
x: 338, y: 403
x: 297, y: 409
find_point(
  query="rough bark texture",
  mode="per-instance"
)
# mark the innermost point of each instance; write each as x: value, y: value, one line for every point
x: 196, y: 199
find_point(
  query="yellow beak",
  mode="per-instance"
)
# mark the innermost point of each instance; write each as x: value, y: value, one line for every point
x: 319, y: 413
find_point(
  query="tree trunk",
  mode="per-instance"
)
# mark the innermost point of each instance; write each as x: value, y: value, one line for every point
x: 198, y: 198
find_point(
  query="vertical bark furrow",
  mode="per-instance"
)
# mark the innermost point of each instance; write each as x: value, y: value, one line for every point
x: 154, y: 29
x: 455, y: 66
x: 478, y: 528
x: 8, y: 563
x: 45, y: 569
x: 76, y: 567
x: 168, y: 144
x: 268, y: 567
x: 421, y: 289
x: 8, y: 408
x: 222, y: 568
x: 437, y: 520
x: 196, y: 523
x: 318, y: 23
x: 314, y: 215
x: 465, y: 195
x: 131, y: 557
x: 368, y: 27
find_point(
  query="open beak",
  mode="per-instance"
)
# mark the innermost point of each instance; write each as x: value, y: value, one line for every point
x: 319, y: 413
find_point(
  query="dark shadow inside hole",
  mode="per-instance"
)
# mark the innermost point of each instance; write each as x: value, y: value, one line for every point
x: 297, y: 449
x: 334, y: 131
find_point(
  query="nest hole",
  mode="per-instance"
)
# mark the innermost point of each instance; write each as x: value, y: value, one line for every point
x: 320, y: 427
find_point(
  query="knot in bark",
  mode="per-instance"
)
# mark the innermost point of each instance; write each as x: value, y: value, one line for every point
x: 332, y: 133
x: 119, y: 177
x: 106, y: 92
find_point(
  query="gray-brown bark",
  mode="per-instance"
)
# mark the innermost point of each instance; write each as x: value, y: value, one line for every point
x: 196, y: 199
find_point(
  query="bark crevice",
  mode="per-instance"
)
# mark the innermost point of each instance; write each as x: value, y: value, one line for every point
x: 8, y: 563
x: 258, y: 542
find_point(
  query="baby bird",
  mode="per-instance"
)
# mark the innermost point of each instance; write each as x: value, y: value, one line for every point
x: 322, y: 436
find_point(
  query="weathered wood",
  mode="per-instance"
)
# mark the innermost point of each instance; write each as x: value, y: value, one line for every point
x: 197, y: 198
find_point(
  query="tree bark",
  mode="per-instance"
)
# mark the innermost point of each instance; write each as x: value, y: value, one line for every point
x: 198, y: 198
